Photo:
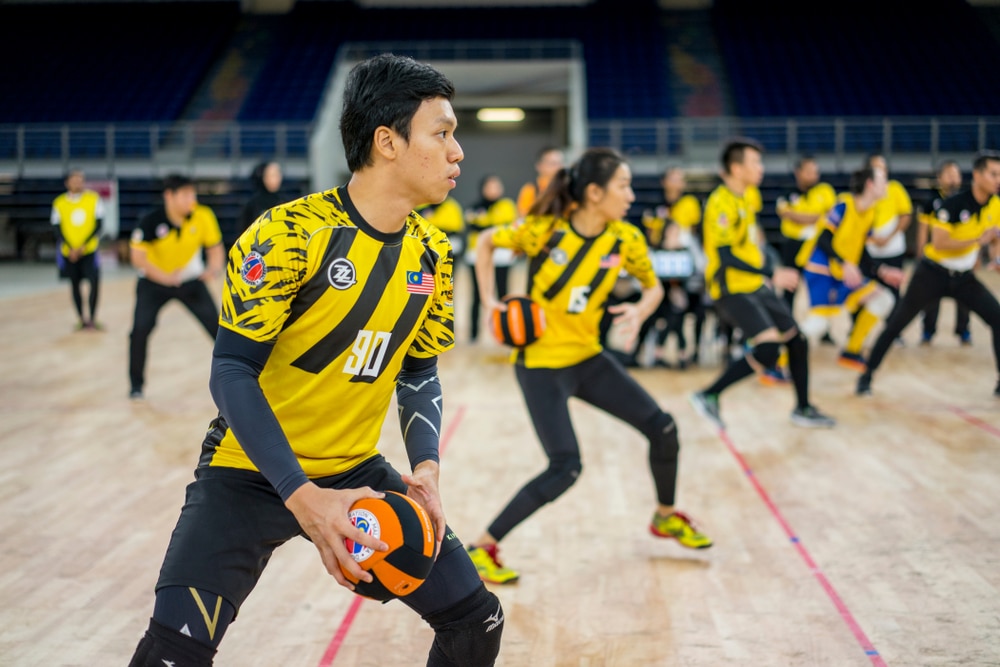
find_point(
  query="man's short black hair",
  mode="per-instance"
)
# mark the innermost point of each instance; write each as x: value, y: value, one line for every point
x: 983, y: 158
x: 174, y: 182
x: 804, y: 159
x: 736, y: 148
x: 385, y: 90
x: 860, y: 178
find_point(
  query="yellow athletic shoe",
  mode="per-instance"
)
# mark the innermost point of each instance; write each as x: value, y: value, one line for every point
x: 679, y: 527
x: 489, y: 567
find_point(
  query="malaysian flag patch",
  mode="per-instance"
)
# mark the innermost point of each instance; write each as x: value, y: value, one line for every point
x: 609, y: 261
x: 418, y: 282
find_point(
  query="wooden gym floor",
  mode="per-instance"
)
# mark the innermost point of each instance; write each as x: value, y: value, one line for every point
x: 875, y: 543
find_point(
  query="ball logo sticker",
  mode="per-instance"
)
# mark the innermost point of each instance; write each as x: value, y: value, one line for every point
x: 253, y: 269
x: 342, y: 274
x: 367, y: 523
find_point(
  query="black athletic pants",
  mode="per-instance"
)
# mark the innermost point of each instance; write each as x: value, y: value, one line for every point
x: 150, y: 297
x: 929, y: 283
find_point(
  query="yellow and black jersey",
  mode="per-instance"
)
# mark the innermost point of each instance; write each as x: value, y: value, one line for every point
x: 342, y: 304
x: 965, y: 219
x: 76, y: 216
x: 850, y: 229
x: 570, y: 277
x: 170, y: 248
x: 685, y: 211
x: 731, y: 220
x: 446, y: 216
x: 817, y: 200
x: 501, y: 212
x: 926, y: 207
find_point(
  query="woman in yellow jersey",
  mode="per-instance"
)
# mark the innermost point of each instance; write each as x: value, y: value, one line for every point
x: 548, y: 161
x: 577, y: 241
x: 492, y: 210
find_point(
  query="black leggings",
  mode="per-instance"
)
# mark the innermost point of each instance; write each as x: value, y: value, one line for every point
x: 604, y: 383
x: 85, y: 268
x: 929, y: 283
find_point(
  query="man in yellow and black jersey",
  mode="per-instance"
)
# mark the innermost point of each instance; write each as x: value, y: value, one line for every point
x: 332, y: 303
x: 739, y: 280
x: 167, y: 249
x: 77, y: 216
x: 800, y: 210
x: 949, y: 182
x: 673, y: 232
x: 839, y: 272
x: 962, y: 224
x: 577, y: 242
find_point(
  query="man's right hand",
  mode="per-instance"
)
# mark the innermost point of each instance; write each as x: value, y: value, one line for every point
x: 323, y: 515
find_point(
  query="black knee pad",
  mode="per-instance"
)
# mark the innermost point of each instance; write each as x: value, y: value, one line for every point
x: 163, y: 646
x: 766, y: 354
x: 664, y: 443
x: 561, y: 474
x: 468, y: 633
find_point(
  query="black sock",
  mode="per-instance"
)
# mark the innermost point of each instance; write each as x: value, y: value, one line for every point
x: 798, y: 367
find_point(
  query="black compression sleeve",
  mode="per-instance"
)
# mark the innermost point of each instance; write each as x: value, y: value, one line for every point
x: 869, y: 265
x: 729, y: 261
x: 418, y: 394
x: 236, y: 366
x: 825, y: 243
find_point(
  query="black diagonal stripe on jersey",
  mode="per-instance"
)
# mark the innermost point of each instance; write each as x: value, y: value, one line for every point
x: 217, y: 430
x: 345, y: 332
x: 539, y: 259
x: 407, y: 320
x: 570, y: 269
x: 603, y: 272
x: 341, y: 240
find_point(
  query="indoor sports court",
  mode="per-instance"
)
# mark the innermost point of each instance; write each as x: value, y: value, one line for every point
x: 870, y: 544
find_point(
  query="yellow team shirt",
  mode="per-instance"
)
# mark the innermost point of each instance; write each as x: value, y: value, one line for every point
x: 571, y: 277
x: 730, y: 220
x: 170, y: 248
x: 896, y: 202
x: 850, y: 229
x: 502, y: 212
x: 686, y: 212
x: 342, y: 304
x: 446, y: 216
x: 817, y: 200
x: 77, y: 216
x: 964, y: 219
x: 529, y: 193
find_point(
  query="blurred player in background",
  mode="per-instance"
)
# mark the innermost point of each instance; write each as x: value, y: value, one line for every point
x: 548, y: 161
x: 491, y: 210
x: 962, y: 224
x: 799, y: 211
x: 840, y: 274
x: 167, y: 251
x: 739, y: 279
x: 77, y: 216
x: 949, y: 182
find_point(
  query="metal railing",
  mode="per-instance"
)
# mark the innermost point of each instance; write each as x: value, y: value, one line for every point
x: 23, y: 145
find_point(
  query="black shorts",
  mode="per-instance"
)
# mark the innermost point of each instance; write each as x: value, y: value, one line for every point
x: 85, y: 268
x: 754, y: 312
x: 233, y: 520
x: 789, y: 251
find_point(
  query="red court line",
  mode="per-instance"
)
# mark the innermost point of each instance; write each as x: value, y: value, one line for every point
x: 345, y: 625
x: 831, y: 592
x: 975, y: 421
